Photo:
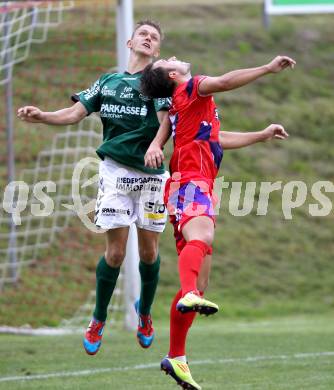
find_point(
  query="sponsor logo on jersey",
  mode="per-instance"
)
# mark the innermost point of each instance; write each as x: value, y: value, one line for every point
x: 143, y: 111
x: 127, y: 93
x: 129, y: 184
x: 107, y: 109
x: 132, y: 180
x: 164, y: 102
x: 155, y: 207
x: 92, y: 91
x: 105, y: 91
x: 112, y: 211
x: 154, y: 211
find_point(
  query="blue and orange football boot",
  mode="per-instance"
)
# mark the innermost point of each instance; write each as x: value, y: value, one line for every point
x: 93, y: 336
x: 145, y: 331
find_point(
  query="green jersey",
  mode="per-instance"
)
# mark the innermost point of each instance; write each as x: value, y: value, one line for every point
x: 129, y: 119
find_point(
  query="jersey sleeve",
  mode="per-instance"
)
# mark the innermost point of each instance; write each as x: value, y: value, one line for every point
x: 191, y: 87
x: 198, y: 82
x: 162, y: 104
x: 90, y: 97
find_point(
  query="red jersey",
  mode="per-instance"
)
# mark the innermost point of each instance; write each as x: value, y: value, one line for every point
x: 195, y: 128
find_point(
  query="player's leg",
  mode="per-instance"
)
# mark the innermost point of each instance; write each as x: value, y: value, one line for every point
x: 107, y: 272
x: 175, y: 363
x: 151, y: 221
x: 204, y: 274
x: 180, y: 323
x: 198, y: 233
x: 149, y: 267
x: 114, y: 213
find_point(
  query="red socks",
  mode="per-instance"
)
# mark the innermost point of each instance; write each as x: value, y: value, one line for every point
x: 190, y: 261
x: 179, y: 328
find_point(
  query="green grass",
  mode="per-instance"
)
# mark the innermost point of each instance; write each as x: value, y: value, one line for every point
x: 263, y: 266
x: 252, y: 355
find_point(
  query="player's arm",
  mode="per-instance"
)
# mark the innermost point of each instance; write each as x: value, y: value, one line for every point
x: 154, y: 155
x: 236, y: 140
x: 66, y: 116
x: 240, y: 77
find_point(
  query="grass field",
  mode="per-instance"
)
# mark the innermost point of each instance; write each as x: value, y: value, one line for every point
x: 273, y: 277
x: 263, y: 266
x: 289, y: 353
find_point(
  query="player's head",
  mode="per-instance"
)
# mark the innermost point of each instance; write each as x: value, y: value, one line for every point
x: 160, y: 78
x: 146, y: 39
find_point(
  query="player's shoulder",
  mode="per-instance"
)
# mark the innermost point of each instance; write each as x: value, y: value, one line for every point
x: 105, y: 77
x: 119, y: 77
x: 196, y: 80
x: 190, y: 86
x: 109, y: 81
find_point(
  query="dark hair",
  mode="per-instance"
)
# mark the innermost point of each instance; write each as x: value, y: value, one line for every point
x: 155, y: 82
x: 151, y: 23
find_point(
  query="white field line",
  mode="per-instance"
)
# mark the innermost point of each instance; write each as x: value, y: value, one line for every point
x: 250, y: 359
x: 28, y: 331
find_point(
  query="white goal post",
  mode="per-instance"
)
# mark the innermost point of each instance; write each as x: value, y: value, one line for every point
x: 125, y: 26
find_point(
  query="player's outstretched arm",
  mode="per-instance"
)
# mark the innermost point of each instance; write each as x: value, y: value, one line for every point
x: 240, y: 77
x: 66, y: 116
x: 154, y: 156
x: 236, y: 140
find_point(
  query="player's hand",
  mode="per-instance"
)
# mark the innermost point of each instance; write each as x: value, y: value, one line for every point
x: 154, y: 156
x: 281, y: 62
x: 274, y: 131
x: 30, y: 114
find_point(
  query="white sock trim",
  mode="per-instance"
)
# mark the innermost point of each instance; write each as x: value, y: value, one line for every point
x: 182, y: 359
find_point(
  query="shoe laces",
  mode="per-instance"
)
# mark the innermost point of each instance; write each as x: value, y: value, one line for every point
x: 145, y: 323
x: 94, y: 329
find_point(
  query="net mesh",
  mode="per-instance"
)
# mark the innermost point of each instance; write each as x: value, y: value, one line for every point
x: 35, y: 232
x: 22, y: 24
x: 55, y: 165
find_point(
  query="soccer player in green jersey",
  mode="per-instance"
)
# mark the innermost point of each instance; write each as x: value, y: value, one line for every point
x: 129, y: 192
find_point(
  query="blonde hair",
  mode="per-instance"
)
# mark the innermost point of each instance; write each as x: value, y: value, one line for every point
x: 151, y: 23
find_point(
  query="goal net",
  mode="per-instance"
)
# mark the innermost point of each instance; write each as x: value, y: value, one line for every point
x: 22, y: 24
x: 69, y: 170
x: 66, y: 171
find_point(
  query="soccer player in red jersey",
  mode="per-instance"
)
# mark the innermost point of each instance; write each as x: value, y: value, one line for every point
x: 198, y: 151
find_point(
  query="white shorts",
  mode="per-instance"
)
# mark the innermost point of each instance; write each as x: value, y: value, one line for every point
x: 127, y: 196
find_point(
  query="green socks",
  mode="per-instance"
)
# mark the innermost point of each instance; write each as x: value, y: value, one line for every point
x: 106, y: 278
x: 149, y: 274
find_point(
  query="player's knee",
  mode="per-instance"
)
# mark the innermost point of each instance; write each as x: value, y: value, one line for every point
x: 206, y: 237
x: 114, y: 257
x: 148, y: 255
